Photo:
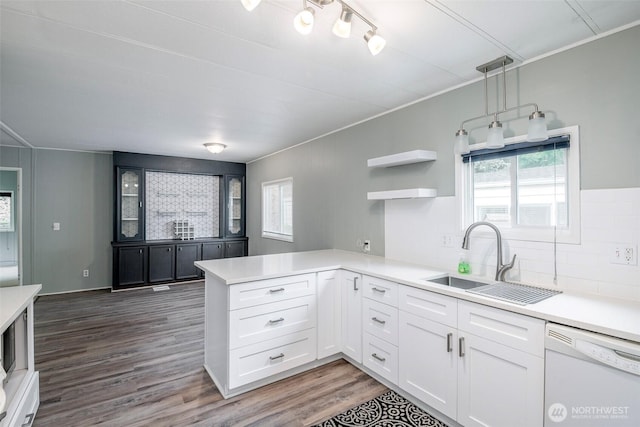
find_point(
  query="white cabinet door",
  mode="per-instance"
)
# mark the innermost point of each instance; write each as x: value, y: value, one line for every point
x: 329, y: 324
x: 429, y: 362
x: 498, y: 386
x: 351, y: 286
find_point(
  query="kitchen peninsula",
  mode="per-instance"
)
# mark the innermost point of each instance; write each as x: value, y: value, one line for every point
x: 272, y: 316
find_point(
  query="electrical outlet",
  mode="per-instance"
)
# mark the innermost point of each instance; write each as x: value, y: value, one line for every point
x: 85, y: 273
x: 366, y: 247
x: 624, y: 254
x: 447, y: 241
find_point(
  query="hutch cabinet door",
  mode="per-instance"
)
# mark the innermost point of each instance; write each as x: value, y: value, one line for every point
x: 235, y: 206
x: 235, y: 249
x: 186, y: 255
x: 212, y: 250
x: 162, y: 265
x: 129, y: 212
x: 131, y: 265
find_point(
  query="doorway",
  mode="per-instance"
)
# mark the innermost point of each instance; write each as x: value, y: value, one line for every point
x: 10, y: 226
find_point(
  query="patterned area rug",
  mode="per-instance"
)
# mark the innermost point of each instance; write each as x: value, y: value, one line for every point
x: 387, y: 410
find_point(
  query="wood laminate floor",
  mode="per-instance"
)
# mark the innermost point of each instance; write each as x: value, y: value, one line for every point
x: 135, y: 359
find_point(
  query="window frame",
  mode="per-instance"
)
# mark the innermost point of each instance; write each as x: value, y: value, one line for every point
x: 270, y: 234
x: 569, y: 235
x: 11, y: 228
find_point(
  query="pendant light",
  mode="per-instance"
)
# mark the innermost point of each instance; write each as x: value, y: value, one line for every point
x: 495, y: 138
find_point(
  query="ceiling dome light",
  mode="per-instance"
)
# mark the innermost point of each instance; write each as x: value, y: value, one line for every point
x: 250, y: 4
x: 495, y: 139
x: 303, y: 22
x: 342, y: 27
x: 537, y: 127
x: 374, y: 42
x: 215, y: 147
x: 462, y: 142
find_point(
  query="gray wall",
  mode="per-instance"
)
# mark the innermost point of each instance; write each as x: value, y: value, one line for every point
x: 74, y: 189
x: 594, y: 86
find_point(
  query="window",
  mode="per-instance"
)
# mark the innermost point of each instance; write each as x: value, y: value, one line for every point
x: 277, y: 209
x: 6, y: 211
x: 530, y: 190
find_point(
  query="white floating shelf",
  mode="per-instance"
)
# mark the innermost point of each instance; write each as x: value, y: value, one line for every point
x: 408, y: 157
x: 410, y: 193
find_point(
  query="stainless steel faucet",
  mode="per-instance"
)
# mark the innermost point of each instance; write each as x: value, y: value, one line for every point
x: 501, y: 268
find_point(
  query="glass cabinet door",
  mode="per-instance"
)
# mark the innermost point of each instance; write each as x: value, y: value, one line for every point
x: 235, y: 206
x: 129, y: 215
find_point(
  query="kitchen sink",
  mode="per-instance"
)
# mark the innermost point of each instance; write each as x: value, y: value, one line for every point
x: 456, y: 282
x: 505, y: 291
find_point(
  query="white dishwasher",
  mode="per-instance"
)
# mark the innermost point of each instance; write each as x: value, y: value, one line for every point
x: 591, y: 380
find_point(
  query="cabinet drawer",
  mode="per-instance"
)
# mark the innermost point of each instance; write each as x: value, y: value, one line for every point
x: 380, y: 320
x: 514, y: 330
x: 381, y: 357
x: 254, y: 324
x: 381, y: 290
x: 265, y: 291
x: 29, y: 404
x: 430, y: 305
x: 258, y: 361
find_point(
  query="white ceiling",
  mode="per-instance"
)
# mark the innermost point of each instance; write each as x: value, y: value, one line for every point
x: 164, y: 77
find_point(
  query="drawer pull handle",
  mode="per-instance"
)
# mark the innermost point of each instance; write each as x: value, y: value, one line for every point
x: 280, y: 356
x: 375, y: 319
x: 380, y: 358
x: 275, y: 291
x: 355, y: 283
x: 461, y: 346
x: 449, y: 339
x: 273, y: 322
x: 382, y: 291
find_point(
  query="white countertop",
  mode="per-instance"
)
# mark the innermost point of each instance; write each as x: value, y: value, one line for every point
x: 13, y: 300
x: 615, y: 317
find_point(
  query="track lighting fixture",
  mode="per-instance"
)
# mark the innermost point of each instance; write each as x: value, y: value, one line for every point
x: 215, y: 147
x: 304, y: 20
x: 250, y: 4
x: 375, y: 43
x: 342, y: 27
x: 495, y: 138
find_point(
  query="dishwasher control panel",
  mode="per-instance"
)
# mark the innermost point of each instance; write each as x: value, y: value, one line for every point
x: 624, y: 361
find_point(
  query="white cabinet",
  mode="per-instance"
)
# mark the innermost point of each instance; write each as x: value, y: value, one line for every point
x: 380, y: 327
x: 21, y: 390
x: 351, y: 287
x: 478, y: 365
x: 500, y: 370
x: 329, y: 302
x: 428, y: 343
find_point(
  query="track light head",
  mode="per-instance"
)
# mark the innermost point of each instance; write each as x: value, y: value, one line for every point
x: 303, y: 22
x: 250, y: 4
x: 342, y: 27
x: 374, y: 42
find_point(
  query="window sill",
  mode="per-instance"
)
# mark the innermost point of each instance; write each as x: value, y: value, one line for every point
x: 281, y: 237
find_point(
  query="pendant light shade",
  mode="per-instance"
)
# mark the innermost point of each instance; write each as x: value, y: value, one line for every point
x: 495, y: 139
x: 537, y: 127
x: 462, y: 142
x: 374, y: 42
x: 342, y: 27
x: 215, y: 147
x: 250, y: 4
x: 303, y: 22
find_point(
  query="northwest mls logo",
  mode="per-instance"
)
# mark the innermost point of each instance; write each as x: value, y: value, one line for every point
x: 557, y: 412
